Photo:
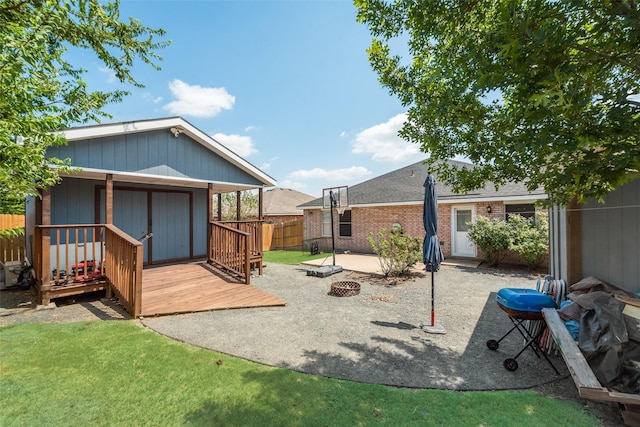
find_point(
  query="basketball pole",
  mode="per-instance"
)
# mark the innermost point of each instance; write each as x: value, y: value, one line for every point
x: 331, y: 199
x: 333, y: 235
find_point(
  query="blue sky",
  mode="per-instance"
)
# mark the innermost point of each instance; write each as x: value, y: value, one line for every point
x: 285, y: 84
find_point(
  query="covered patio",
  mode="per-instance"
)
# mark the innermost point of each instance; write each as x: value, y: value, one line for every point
x: 108, y: 219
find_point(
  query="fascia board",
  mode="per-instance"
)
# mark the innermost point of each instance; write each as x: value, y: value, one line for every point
x: 530, y: 198
x: 143, y: 178
x: 185, y: 127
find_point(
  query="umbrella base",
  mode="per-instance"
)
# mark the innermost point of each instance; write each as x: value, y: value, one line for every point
x: 433, y: 329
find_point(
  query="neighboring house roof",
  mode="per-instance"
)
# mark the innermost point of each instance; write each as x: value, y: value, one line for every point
x: 404, y: 186
x: 283, y: 201
x: 175, y: 127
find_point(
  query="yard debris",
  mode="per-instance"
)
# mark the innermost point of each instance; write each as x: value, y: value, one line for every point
x: 384, y: 298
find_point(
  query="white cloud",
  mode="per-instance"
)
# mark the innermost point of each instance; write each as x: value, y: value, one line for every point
x: 384, y: 144
x: 239, y: 144
x: 147, y: 96
x: 265, y: 166
x: 111, y: 75
x: 198, y: 101
x: 249, y: 128
x: 295, y: 185
x: 312, y: 181
x: 330, y: 175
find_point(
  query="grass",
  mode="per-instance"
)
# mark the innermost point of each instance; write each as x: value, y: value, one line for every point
x: 117, y: 373
x: 291, y: 257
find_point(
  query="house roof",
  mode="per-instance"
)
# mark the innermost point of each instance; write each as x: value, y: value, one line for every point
x: 404, y: 186
x: 284, y: 201
x: 178, y: 127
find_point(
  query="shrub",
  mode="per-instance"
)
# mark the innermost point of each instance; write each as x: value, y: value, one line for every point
x: 397, y: 252
x: 530, y: 237
x: 492, y: 236
x: 11, y: 232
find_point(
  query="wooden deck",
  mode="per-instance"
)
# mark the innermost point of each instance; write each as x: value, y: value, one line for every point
x: 191, y: 287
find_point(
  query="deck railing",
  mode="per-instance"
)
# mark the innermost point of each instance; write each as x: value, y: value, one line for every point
x: 68, y: 253
x: 254, y: 229
x: 230, y: 249
x: 73, y: 259
x: 124, y: 258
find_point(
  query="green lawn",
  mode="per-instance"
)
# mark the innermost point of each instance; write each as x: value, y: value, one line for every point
x: 291, y: 257
x: 117, y: 373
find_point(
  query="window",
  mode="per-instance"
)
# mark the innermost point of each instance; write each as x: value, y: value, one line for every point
x: 526, y: 210
x: 345, y: 224
x: 463, y: 218
x: 326, y: 223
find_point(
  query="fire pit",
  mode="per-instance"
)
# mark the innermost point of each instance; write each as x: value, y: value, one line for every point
x: 345, y: 289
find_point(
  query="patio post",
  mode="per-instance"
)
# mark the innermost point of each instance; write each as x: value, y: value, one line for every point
x: 210, y: 195
x: 108, y: 199
x: 45, y: 262
x: 238, y: 211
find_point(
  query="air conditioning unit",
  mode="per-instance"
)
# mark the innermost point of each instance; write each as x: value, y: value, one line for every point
x: 11, y: 272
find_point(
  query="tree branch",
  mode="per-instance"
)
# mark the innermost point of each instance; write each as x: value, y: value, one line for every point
x: 605, y: 56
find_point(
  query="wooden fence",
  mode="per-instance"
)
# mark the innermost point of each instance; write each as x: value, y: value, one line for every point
x: 8, y: 221
x: 12, y: 248
x: 286, y: 235
x: 267, y: 236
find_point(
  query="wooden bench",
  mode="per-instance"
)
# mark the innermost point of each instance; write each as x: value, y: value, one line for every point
x: 588, y: 385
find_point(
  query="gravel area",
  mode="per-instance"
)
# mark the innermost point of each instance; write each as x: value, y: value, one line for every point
x: 372, y: 337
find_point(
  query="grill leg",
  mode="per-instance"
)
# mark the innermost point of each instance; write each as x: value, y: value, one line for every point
x: 515, y: 326
x: 526, y: 334
x: 533, y: 343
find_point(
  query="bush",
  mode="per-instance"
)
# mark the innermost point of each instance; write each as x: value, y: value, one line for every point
x: 397, y: 252
x: 527, y: 237
x: 530, y: 237
x: 491, y: 235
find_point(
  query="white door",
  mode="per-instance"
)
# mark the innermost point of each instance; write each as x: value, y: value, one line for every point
x: 460, y: 243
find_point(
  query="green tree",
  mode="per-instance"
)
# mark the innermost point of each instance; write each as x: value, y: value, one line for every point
x: 541, y: 92
x: 248, y: 205
x: 41, y: 92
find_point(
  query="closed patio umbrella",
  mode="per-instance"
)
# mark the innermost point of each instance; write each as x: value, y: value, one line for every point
x: 431, y: 251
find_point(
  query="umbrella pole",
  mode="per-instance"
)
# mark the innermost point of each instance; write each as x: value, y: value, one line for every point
x: 433, y: 309
x: 433, y: 328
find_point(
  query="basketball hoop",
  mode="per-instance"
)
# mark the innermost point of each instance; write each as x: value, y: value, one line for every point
x: 340, y: 210
x: 335, y: 197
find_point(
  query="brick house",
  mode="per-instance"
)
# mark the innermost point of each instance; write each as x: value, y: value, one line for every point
x: 281, y: 204
x: 396, y: 198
